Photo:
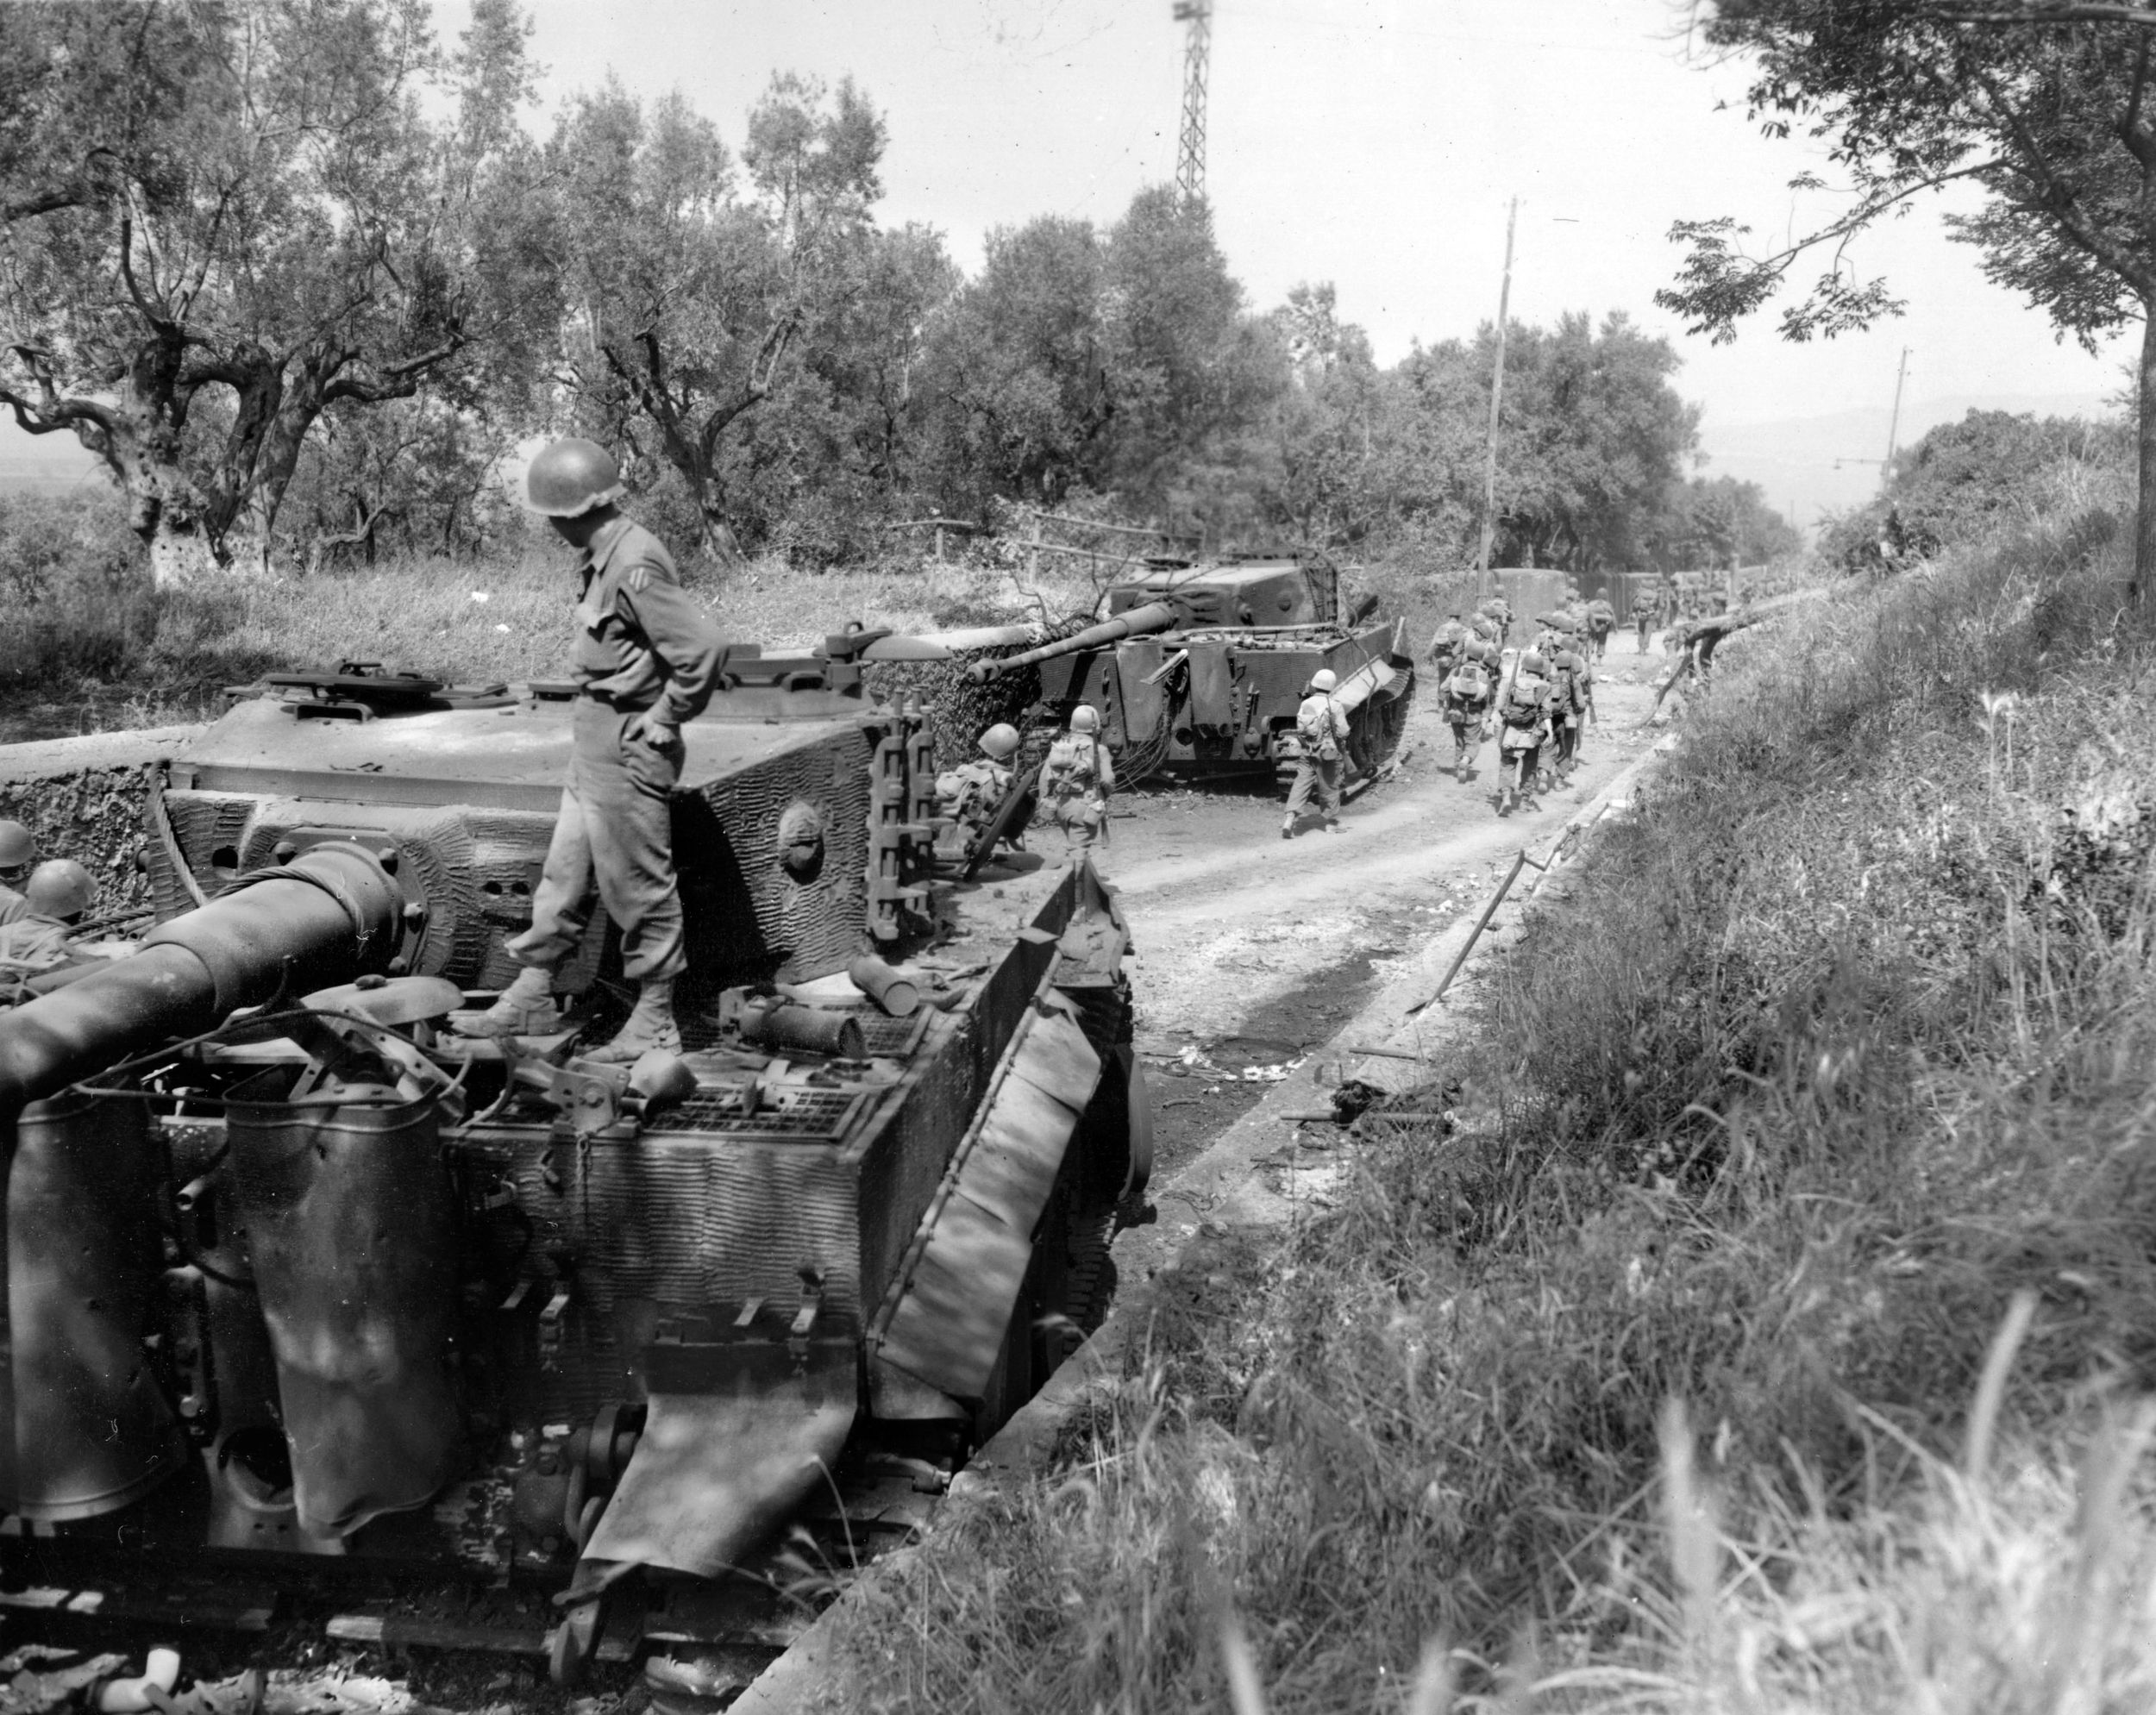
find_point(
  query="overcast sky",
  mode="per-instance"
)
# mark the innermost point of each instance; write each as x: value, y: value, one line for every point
x: 1370, y: 143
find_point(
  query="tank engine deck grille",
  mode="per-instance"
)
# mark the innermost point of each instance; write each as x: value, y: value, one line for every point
x: 794, y: 1115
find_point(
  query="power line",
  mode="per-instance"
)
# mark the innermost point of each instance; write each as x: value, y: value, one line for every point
x: 1190, y: 151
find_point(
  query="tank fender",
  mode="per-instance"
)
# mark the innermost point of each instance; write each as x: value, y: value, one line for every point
x: 946, y: 1322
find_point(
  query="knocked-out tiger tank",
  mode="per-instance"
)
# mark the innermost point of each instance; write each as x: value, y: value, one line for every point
x: 1198, y: 669
x: 299, y: 1279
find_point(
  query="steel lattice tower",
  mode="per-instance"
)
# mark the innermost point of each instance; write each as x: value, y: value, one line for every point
x: 1190, y: 151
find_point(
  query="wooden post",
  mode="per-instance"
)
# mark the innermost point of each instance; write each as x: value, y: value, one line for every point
x: 1496, y: 398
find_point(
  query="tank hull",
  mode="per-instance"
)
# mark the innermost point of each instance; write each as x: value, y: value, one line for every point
x: 497, y: 1314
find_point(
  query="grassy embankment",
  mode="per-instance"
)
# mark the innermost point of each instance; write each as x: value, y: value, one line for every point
x: 1663, y: 1383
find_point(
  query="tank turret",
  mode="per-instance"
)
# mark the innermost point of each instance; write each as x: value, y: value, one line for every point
x: 357, y: 1285
x: 1135, y: 621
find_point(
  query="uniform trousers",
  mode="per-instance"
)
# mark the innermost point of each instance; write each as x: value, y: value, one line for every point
x: 1082, y: 819
x: 612, y: 841
x: 1315, y: 775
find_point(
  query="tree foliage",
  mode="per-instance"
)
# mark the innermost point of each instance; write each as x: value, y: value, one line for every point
x: 302, y: 278
x: 2047, y: 107
x: 221, y: 222
x: 691, y: 280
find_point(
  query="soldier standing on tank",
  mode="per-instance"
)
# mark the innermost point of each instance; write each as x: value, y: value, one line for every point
x: 971, y: 793
x: 1076, y: 781
x: 646, y: 658
x: 1321, y: 733
x: 55, y: 898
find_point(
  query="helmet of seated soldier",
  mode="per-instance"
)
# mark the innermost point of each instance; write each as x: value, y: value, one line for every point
x: 61, y: 889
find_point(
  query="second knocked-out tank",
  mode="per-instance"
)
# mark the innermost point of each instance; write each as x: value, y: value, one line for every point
x: 298, y: 1277
x: 1199, y: 669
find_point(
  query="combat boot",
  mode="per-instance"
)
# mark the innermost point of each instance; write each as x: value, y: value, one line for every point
x: 650, y: 1025
x: 526, y: 1008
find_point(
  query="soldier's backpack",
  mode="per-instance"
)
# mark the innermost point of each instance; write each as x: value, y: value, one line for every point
x: 1524, y: 701
x: 1315, y: 728
x: 1468, y: 683
x: 1073, y: 768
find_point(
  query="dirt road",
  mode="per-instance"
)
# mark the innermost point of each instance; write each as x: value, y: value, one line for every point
x: 1251, y: 950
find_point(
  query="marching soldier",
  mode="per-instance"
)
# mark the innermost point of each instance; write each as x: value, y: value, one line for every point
x: 646, y: 658
x: 1321, y: 733
x: 1499, y: 610
x: 1525, y: 707
x: 1076, y: 781
x: 1646, y: 610
x: 1601, y: 620
x: 971, y: 793
x: 1444, y: 649
x: 1574, y: 681
x: 1467, y: 692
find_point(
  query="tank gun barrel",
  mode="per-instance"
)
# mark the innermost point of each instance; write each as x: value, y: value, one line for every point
x: 327, y: 917
x: 1135, y: 621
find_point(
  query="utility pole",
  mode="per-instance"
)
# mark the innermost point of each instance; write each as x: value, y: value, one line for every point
x: 1894, y: 424
x: 1496, y: 396
x: 1190, y: 149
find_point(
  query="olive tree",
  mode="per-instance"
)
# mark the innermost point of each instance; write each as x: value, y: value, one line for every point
x: 240, y: 205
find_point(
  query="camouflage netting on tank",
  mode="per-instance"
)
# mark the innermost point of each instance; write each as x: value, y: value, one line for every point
x: 958, y: 710
x: 93, y: 816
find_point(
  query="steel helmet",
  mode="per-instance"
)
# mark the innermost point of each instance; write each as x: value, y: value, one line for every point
x: 1085, y: 718
x: 571, y: 477
x: 18, y: 846
x: 999, y: 741
x: 1324, y: 680
x: 1531, y: 662
x: 61, y: 888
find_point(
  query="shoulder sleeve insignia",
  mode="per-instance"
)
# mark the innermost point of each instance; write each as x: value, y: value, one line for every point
x: 637, y: 578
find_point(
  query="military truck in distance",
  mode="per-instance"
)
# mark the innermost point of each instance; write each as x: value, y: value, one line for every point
x: 298, y: 1278
x: 1197, y: 670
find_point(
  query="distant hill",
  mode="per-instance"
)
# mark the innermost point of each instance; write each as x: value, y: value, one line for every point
x: 1794, y: 459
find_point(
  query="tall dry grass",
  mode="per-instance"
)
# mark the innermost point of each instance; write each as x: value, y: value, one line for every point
x: 93, y: 647
x: 1670, y: 1382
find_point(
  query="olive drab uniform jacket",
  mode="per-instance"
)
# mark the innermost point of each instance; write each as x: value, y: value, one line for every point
x: 31, y: 942
x: 970, y: 793
x: 641, y: 642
